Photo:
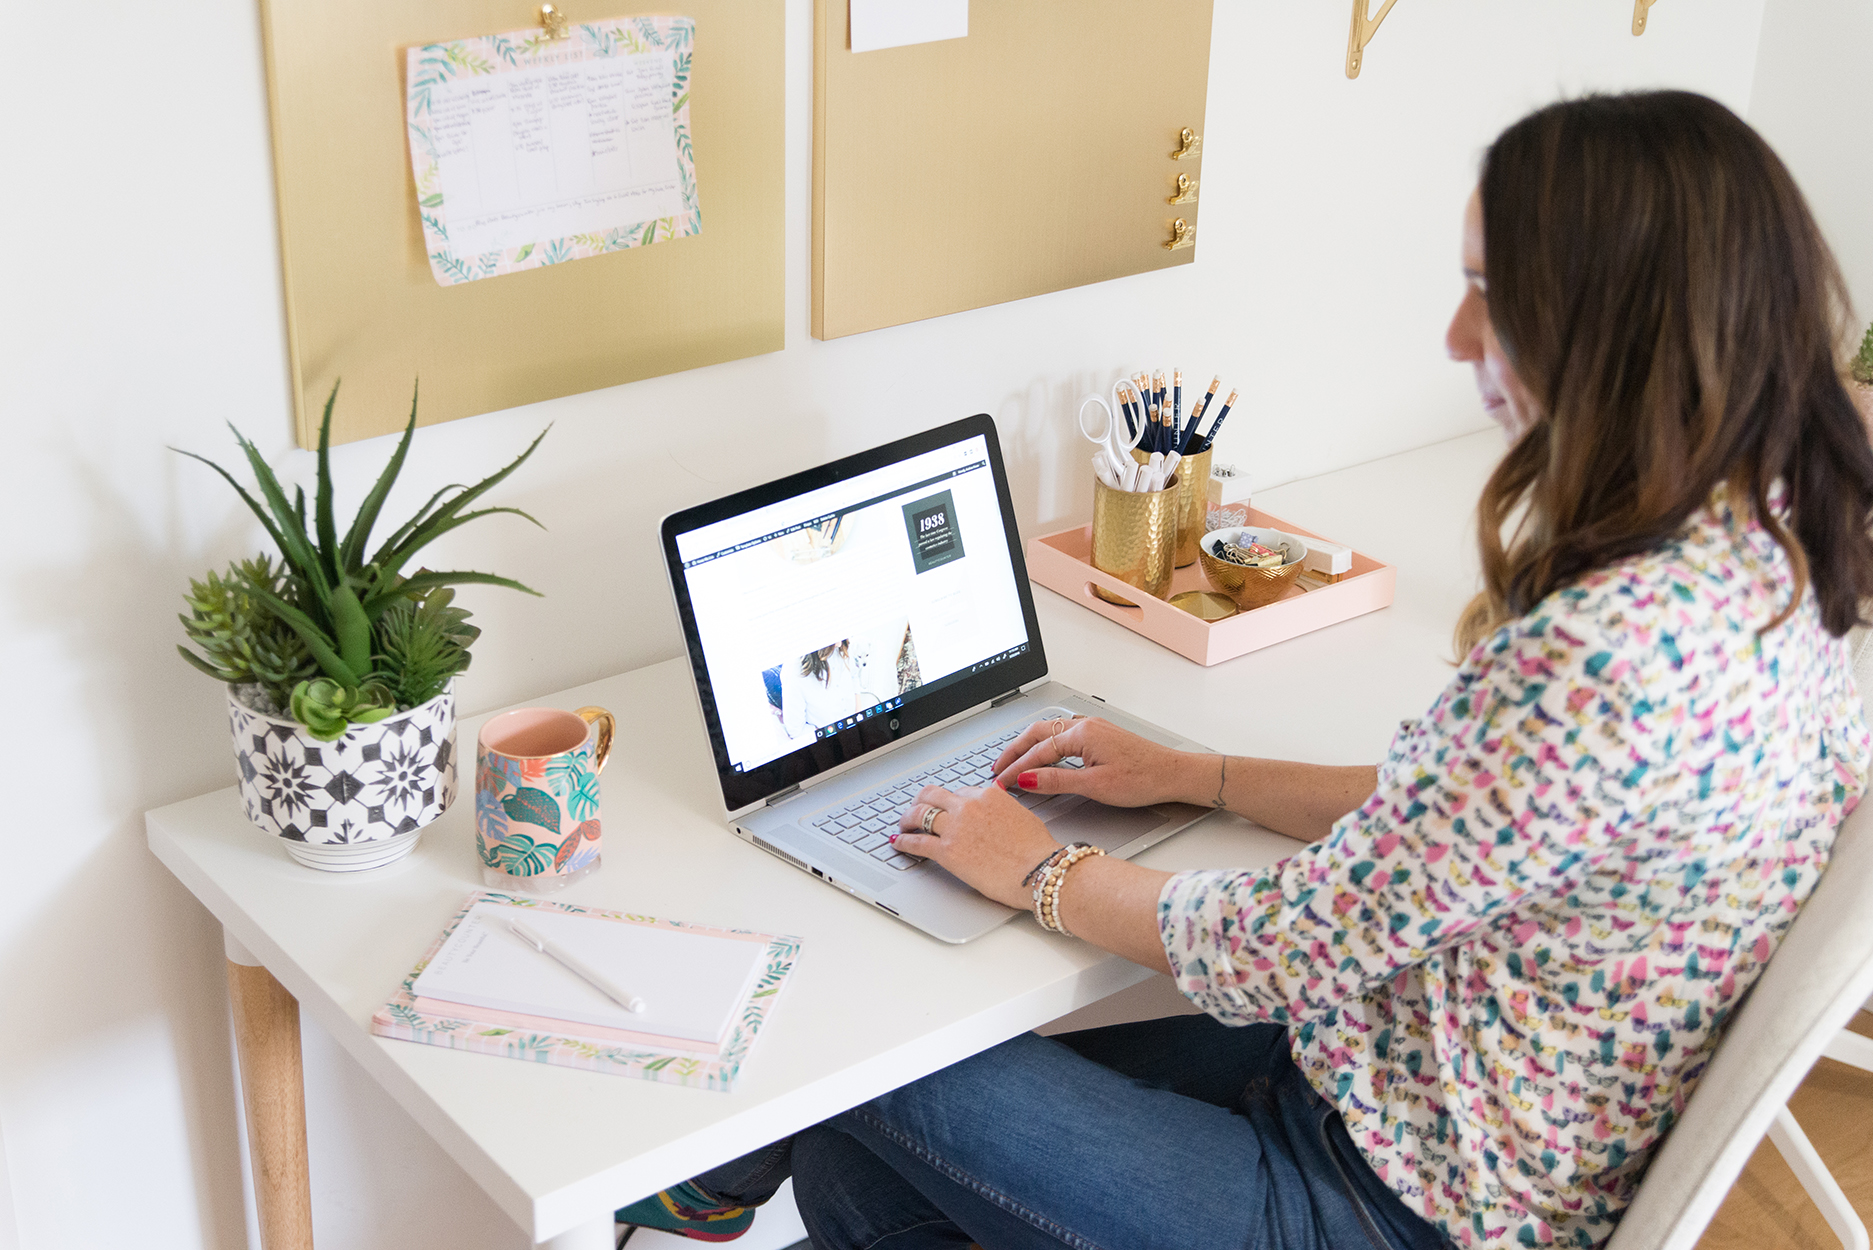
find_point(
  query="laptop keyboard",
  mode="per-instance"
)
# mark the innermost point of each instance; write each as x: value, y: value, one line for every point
x: 867, y: 822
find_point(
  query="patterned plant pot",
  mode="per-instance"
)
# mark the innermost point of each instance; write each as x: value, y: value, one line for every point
x: 360, y: 802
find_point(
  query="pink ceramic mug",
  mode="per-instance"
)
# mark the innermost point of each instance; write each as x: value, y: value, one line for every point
x: 536, y: 796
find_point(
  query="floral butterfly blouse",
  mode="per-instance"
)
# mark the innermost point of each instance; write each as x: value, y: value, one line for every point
x: 1509, y: 967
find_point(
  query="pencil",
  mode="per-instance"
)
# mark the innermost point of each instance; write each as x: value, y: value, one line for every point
x: 1160, y: 411
x: 1209, y: 440
x: 1177, y: 409
x: 1125, y: 407
x: 1196, y: 413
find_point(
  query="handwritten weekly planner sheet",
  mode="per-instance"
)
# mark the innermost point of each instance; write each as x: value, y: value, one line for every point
x: 531, y: 151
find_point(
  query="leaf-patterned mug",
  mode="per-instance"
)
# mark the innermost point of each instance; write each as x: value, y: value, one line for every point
x: 536, y: 796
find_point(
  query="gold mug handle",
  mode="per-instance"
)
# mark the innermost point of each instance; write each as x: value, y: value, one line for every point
x: 607, y: 727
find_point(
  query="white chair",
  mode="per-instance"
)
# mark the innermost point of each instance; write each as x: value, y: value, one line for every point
x: 1802, y: 1159
x: 1798, y: 1011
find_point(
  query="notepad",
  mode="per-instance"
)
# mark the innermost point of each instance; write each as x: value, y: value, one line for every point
x: 708, y: 992
x: 693, y: 984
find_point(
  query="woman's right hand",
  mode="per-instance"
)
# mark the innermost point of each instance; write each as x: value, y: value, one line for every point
x: 1118, y: 768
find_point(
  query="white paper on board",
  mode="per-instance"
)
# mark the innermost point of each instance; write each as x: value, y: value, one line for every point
x: 894, y: 23
x: 528, y: 151
x: 556, y: 150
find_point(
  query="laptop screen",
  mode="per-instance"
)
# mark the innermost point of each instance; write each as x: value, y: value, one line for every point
x: 832, y: 612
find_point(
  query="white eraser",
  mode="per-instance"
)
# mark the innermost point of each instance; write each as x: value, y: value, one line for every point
x: 1227, y: 485
x: 1329, y: 558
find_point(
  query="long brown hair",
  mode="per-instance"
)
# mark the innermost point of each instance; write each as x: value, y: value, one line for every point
x: 1663, y: 292
x: 813, y: 663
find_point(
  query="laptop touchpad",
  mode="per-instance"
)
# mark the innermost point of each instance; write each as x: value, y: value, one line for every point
x: 1107, y: 828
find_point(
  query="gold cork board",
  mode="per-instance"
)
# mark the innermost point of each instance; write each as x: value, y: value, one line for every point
x: 361, y: 302
x: 1030, y: 156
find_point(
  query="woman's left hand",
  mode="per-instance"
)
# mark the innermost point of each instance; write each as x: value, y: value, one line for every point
x: 982, y: 835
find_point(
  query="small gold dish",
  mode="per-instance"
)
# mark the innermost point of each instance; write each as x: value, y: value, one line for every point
x: 1250, y: 587
x: 1206, y: 605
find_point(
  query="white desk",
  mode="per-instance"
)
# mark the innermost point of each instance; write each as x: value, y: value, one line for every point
x: 873, y: 1003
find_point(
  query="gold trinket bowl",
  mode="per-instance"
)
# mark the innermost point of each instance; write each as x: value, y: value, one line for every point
x: 1251, y: 587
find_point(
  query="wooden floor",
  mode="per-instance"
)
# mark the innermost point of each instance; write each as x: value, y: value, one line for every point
x: 1768, y: 1209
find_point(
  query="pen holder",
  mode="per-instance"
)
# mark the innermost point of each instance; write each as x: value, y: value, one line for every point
x: 1135, y: 537
x: 1193, y: 501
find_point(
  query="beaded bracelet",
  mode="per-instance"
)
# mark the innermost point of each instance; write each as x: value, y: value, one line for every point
x: 1034, y: 873
x: 1043, y: 874
x: 1047, y: 894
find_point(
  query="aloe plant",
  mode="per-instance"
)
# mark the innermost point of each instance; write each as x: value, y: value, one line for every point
x: 1863, y: 362
x: 332, y: 596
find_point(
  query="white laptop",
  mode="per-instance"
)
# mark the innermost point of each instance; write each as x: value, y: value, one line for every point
x: 866, y: 628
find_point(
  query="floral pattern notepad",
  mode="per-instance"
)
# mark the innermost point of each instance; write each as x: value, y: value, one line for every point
x: 401, y: 1018
x: 529, y: 150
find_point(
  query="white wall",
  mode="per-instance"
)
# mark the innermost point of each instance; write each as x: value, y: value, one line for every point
x: 1813, y: 100
x: 141, y: 309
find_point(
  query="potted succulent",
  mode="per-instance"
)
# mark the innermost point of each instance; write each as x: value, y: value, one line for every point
x: 1860, y: 378
x: 339, y: 666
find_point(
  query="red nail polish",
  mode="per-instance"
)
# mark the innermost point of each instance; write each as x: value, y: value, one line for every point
x: 1026, y: 781
x: 894, y: 839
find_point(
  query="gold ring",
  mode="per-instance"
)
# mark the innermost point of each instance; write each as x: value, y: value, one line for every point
x: 1059, y: 728
x: 928, y: 823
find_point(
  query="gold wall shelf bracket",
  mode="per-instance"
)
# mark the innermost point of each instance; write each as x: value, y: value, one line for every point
x: 1186, y: 190
x: 553, y: 18
x: 1364, y: 28
x: 1641, y: 13
x: 1188, y: 142
x: 1182, y: 235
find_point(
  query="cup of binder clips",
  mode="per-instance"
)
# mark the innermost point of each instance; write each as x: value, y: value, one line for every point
x: 1251, y: 564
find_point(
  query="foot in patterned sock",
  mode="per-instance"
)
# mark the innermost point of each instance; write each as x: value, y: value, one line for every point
x: 688, y: 1211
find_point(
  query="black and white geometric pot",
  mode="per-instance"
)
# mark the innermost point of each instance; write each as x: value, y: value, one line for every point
x: 360, y: 802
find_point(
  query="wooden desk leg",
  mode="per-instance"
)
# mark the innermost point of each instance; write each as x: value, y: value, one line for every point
x: 600, y: 1234
x: 266, y: 1031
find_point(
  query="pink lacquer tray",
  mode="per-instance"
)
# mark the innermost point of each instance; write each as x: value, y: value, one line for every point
x: 1061, y: 561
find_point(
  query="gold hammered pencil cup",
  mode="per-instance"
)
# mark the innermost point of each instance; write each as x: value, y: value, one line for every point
x: 1193, y: 501
x: 1135, y: 537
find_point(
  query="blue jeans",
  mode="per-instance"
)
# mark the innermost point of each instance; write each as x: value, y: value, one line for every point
x: 1181, y: 1133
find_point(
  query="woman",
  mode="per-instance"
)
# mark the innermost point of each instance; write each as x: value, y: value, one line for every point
x: 823, y: 688
x: 1473, y: 1007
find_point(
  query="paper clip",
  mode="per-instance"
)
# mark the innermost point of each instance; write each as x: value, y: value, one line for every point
x: 554, y: 20
x: 1189, y: 141
x: 1641, y: 12
x: 1182, y: 235
x: 1186, y: 191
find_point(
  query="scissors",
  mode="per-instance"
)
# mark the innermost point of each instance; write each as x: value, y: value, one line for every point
x: 1113, y: 438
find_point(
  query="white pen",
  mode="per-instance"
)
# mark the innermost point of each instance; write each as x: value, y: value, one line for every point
x: 624, y: 998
